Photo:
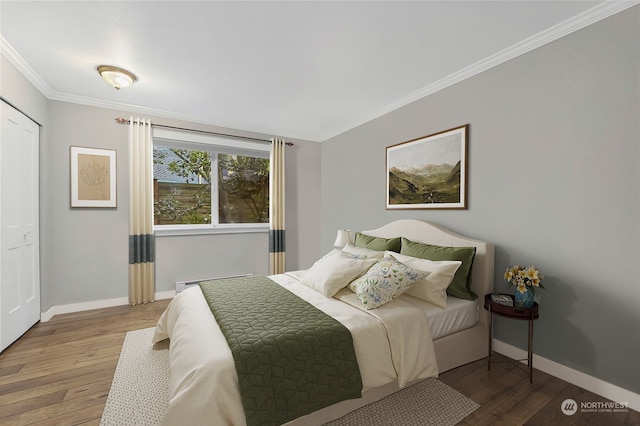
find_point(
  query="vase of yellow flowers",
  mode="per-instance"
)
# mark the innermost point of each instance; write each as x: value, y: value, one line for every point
x: 526, y: 281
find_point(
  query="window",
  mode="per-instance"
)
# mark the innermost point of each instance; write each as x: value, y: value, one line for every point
x: 243, y: 189
x: 200, y: 185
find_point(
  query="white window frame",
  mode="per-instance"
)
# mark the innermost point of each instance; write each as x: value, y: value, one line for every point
x: 197, y: 141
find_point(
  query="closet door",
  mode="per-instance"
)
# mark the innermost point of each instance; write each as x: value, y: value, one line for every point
x: 19, y: 227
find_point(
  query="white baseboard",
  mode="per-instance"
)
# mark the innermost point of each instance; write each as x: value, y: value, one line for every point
x: 95, y: 304
x: 578, y: 378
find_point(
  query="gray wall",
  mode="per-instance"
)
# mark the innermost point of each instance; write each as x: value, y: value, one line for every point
x: 88, y: 258
x: 84, y: 253
x: 554, y: 150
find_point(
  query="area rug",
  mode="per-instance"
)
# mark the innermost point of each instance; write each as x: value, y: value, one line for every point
x: 139, y: 394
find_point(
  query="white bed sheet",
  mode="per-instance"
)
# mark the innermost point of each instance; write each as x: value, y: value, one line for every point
x: 459, y: 315
x: 392, y: 344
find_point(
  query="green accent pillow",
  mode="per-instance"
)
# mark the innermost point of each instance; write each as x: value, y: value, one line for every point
x: 377, y: 243
x: 460, y: 287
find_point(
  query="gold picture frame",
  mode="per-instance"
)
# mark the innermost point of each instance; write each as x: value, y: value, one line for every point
x: 93, y: 177
x: 429, y: 172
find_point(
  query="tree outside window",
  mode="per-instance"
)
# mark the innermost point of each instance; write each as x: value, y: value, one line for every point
x: 184, y: 187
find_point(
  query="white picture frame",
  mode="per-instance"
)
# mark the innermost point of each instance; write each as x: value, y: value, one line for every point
x: 93, y: 177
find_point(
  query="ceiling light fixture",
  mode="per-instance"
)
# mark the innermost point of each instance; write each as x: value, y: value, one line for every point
x: 117, y: 77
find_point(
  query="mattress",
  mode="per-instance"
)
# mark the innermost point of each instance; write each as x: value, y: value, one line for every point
x: 459, y: 315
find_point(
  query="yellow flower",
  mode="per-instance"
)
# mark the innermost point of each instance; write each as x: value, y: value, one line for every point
x: 511, y: 273
x: 523, y: 278
x: 530, y: 273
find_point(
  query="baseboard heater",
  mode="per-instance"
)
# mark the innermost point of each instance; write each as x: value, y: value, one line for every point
x: 183, y: 285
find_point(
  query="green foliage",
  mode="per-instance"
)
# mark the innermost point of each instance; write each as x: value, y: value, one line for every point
x: 191, y: 163
x: 243, y: 186
x: 171, y: 210
x: 434, y: 184
x: 247, y: 180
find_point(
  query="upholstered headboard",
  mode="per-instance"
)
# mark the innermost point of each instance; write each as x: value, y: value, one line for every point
x: 425, y: 232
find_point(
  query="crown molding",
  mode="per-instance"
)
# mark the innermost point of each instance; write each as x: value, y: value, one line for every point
x: 24, y: 68
x: 575, y: 23
x: 584, y: 19
x: 141, y: 110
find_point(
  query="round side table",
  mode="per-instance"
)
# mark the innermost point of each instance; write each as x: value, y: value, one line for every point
x: 512, y: 312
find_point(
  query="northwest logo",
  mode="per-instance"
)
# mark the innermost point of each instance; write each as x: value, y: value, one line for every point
x: 569, y: 407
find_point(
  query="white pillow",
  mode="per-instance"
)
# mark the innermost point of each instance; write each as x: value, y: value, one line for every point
x: 335, y: 272
x: 433, y: 288
x: 384, y: 281
x: 362, y: 253
x: 332, y: 253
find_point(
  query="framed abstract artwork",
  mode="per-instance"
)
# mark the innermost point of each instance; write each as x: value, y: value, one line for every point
x: 93, y: 177
x: 429, y: 172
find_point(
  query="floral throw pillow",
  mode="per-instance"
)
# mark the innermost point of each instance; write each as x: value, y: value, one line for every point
x: 384, y: 281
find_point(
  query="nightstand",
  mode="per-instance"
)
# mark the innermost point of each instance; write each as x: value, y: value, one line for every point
x: 512, y: 312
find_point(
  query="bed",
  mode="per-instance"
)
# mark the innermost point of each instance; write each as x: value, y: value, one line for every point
x: 398, y: 344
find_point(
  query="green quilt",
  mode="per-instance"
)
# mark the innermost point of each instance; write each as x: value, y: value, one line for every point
x: 291, y: 358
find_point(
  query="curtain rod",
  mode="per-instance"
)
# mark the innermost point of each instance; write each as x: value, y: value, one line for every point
x: 121, y: 120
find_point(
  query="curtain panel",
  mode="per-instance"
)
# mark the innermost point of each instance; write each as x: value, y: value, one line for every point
x: 141, y: 238
x: 276, y: 207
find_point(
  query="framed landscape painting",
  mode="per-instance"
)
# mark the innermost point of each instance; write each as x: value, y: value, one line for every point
x: 93, y: 177
x: 429, y: 172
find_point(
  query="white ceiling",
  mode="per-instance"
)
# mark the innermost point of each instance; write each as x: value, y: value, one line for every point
x: 307, y: 70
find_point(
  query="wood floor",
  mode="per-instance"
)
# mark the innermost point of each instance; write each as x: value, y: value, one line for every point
x: 60, y: 372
